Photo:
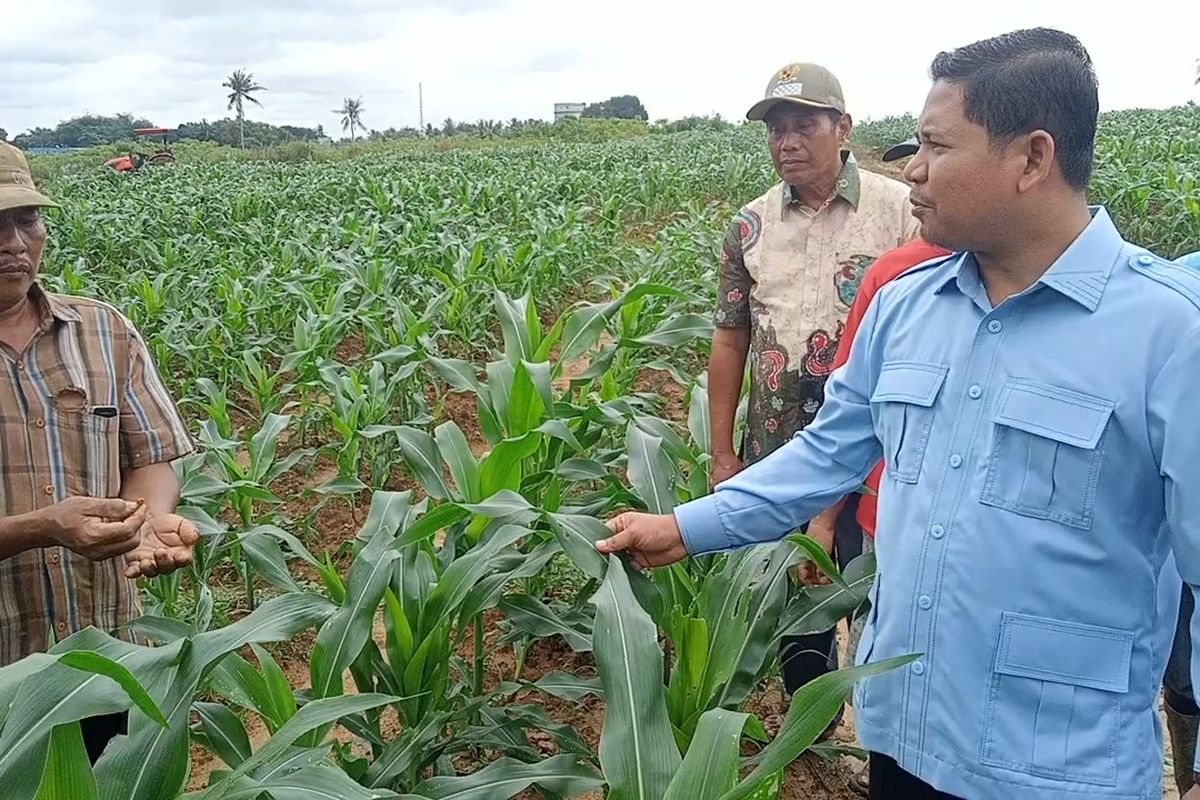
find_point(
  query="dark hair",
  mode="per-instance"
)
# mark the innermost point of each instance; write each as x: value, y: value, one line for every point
x: 1028, y: 80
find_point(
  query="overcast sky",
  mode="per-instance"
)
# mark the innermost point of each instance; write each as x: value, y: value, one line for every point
x: 498, y: 59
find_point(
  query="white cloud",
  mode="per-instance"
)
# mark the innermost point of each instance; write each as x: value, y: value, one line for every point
x: 497, y: 59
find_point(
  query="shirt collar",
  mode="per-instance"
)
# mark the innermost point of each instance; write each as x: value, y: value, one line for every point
x: 1081, y: 273
x: 50, y: 307
x: 849, y: 184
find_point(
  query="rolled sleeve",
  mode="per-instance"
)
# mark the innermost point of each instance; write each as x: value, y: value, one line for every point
x: 152, y: 430
x: 822, y: 463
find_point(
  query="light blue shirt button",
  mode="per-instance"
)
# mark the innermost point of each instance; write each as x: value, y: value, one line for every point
x: 975, y: 392
x: 956, y: 461
x: 925, y: 602
x: 918, y: 668
x: 995, y: 326
x: 1145, y: 260
x: 937, y: 531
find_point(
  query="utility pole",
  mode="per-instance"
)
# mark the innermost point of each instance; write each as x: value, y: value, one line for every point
x: 421, y: 106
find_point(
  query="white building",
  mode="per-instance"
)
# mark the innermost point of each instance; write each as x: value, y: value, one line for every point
x: 564, y: 110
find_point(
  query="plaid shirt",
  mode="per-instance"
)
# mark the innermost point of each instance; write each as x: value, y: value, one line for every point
x: 79, y: 406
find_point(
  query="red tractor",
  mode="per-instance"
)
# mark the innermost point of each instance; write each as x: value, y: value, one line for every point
x: 132, y: 162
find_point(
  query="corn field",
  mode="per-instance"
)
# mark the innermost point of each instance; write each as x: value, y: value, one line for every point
x: 420, y: 381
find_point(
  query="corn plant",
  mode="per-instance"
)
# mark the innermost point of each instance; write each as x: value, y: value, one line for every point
x: 246, y: 480
x: 92, y: 673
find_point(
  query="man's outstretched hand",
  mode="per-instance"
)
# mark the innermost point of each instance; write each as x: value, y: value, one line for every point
x: 166, y: 545
x: 652, y: 540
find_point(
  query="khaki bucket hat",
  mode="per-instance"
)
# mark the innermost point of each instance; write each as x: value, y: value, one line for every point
x: 16, y: 183
x: 802, y: 84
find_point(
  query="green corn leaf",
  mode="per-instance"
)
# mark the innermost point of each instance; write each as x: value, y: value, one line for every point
x: 409, y: 749
x: 461, y: 375
x: 421, y: 454
x: 753, y: 652
x: 651, y: 473
x: 566, y: 686
x: 699, y: 422
x: 266, y: 559
x: 813, y: 707
x: 464, y: 469
x: 235, y: 679
x: 818, y: 608
x: 74, y: 686
x: 430, y: 523
x: 578, y: 536
x: 518, y: 341
x: 562, y: 775
x: 819, y: 556
x: 264, y: 443
x: 581, y: 469
x: 679, y: 329
x: 582, y: 331
x: 225, y: 732
x: 500, y: 378
x: 341, y: 639
x: 637, y: 749
x: 151, y: 762
x: 460, y: 577
x: 504, y: 505
x: 160, y: 630
x: 536, y: 618
x: 502, y: 467
x: 68, y: 773
x: 710, y: 768
x: 526, y: 406
x: 341, y: 486
x: 283, y: 701
x: 313, y: 716
x: 558, y: 429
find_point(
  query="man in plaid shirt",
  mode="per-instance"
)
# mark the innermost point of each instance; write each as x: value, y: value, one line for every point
x: 87, y: 434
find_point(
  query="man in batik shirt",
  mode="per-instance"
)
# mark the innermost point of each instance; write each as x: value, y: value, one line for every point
x: 792, y: 263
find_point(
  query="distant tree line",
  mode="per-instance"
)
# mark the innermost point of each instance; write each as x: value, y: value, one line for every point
x: 92, y: 129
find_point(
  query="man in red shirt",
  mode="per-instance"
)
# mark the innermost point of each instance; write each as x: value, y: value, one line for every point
x: 890, y: 265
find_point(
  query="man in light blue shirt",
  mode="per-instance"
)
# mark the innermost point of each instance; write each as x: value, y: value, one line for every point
x: 1033, y: 396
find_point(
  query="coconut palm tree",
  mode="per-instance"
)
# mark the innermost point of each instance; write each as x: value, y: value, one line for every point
x: 351, y: 111
x: 242, y: 88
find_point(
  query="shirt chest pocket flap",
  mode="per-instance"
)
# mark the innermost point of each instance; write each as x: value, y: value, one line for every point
x: 1046, y: 452
x: 904, y: 395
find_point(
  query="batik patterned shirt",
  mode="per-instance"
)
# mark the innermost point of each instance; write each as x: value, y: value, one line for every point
x: 789, y: 273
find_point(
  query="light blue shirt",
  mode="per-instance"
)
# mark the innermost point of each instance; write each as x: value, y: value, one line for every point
x: 1042, y: 458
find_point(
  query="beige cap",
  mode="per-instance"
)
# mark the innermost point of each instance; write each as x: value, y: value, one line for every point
x: 16, y: 182
x: 802, y: 84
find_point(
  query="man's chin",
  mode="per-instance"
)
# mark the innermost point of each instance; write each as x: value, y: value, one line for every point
x: 937, y: 237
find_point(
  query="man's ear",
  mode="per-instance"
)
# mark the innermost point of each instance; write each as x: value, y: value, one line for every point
x: 845, y: 126
x: 1038, y: 152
